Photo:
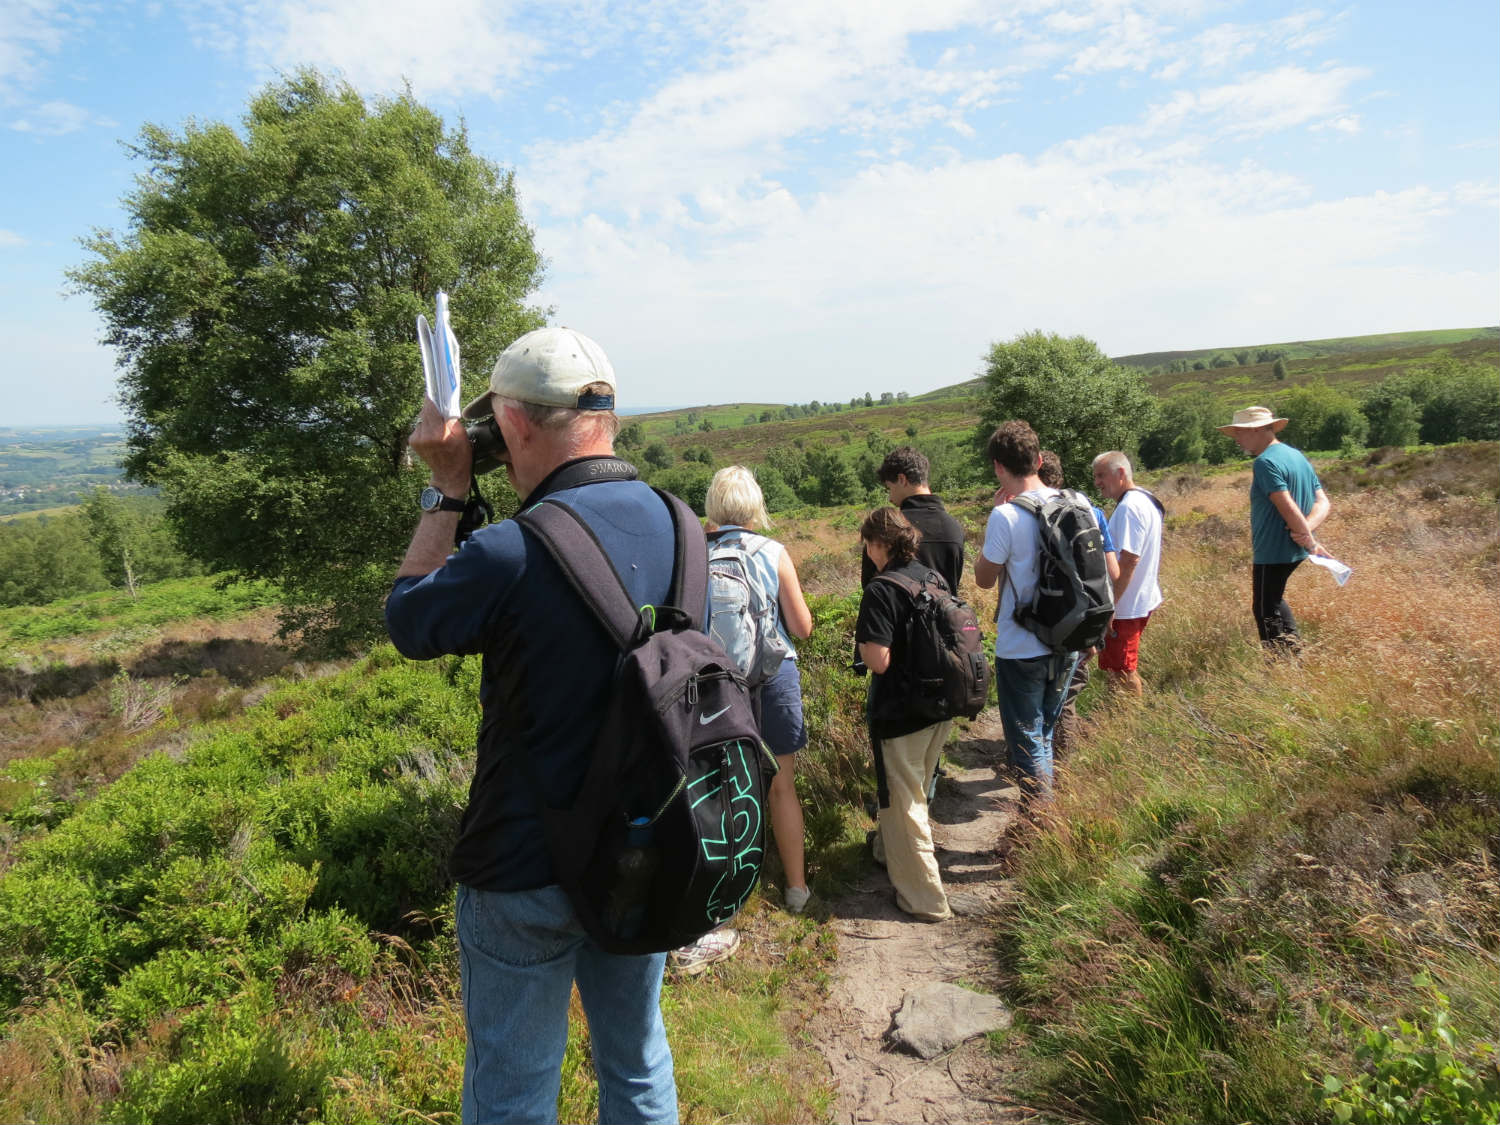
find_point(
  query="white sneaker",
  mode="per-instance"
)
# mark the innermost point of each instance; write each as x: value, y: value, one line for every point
x: 796, y: 899
x: 712, y: 947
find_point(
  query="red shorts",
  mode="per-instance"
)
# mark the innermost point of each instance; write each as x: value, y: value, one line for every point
x: 1122, y: 647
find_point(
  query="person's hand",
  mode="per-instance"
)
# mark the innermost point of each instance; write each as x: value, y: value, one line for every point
x: 1003, y: 496
x: 444, y: 445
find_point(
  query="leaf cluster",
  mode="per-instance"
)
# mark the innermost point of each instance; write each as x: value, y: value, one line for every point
x: 1079, y: 401
x: 262, y: 300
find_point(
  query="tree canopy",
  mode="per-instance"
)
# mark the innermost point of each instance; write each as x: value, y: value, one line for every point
x: 1079, y: 401
x: 263, y: 299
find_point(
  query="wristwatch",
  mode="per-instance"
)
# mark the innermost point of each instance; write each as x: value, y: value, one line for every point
x: 433, y: 500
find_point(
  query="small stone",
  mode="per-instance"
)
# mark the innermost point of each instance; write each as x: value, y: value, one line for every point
x: 936, y: 1017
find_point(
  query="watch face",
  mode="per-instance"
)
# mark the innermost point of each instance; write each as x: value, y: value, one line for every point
x: 431, y: 498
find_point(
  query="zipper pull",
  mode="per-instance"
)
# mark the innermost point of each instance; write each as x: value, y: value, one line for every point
x: 692, y: 691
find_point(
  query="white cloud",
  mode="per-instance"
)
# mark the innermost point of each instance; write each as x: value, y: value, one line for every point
x: 899, y: 277
x: 30, y: 32
x: 463, y: 47
x: 1260, y: 103
x: 10, y: 238
x: 53, y: 119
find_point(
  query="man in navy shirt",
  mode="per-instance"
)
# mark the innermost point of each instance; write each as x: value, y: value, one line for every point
x: 547, y: 672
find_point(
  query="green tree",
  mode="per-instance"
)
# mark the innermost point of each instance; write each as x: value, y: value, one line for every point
x: 657, y: 455
x: 262, y: 301
x: 40, y: 560
x: 1278, y: 368
x: 1320, y: 417
x: 778, y: 494
x: 1076, y: 398
x: 631, y: 437
x: 116, y: 535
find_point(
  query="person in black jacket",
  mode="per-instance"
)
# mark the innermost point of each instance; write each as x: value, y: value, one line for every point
x: 906, y: 746
x: 905, y: 474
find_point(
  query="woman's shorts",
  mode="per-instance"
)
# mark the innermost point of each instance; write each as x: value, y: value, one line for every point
x: 781, y: 711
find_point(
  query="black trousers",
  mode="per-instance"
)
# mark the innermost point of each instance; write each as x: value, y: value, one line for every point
x: 1273, y: 617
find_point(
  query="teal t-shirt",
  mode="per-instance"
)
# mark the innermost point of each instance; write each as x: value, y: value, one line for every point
x: 1279, y: 469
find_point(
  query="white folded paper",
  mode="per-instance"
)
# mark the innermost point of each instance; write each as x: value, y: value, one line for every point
x: 1339, y: 571
x: 440, y: 360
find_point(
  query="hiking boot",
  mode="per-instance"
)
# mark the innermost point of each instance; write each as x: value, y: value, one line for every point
x: 796, y: 899
x: 712, y: 947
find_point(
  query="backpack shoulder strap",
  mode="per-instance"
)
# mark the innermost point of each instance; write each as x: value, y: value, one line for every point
x: 1151, y: 496
x: 1027, y: 504
x: 689, y: 592
x: 581, y: 558
x: 901, y: 582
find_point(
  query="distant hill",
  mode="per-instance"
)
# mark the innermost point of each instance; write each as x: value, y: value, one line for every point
x: 1318, y: 349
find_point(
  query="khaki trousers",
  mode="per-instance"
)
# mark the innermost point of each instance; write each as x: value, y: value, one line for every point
x: 905, y: 834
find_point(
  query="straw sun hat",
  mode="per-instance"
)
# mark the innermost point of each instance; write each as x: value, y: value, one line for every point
x: 1253, y: 418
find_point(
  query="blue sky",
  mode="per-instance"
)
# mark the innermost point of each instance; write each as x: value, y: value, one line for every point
x: 782, y: 200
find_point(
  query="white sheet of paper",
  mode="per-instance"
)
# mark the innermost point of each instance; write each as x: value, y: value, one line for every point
x: 440, y: 368
x: 1339, y: 571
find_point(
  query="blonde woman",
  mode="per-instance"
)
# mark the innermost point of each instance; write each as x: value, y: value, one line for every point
x: 734, y: 507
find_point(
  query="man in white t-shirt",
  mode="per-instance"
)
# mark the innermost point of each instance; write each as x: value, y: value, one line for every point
x: 1135, y: 526
x: 1029, y: 678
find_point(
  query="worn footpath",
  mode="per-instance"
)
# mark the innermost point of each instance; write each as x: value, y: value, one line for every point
x: 904, y: 989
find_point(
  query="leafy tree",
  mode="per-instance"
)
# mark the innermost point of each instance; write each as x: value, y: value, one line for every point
x: 689, y: 481
x: 631, y: 437
x: 1320, y: 417
x: 911, y: 430
x: 116, y: 535
x: 1221, y: 360
x: 1242, y: 357
x: 657, y: 455
x: 1278, y: 369
x: 1199, y: 365
x: 790, y: 463
x: 706, y: 426
x: 1186, y: 431
x: 1076, y: 398
x: 767, y: 416
x: 778, y: 494
x: 1267, y: 355
x: 886, y: 398
x: 262, y: 300
x: 749, y: 419
x: 45, y: 558
x: 868, y: 400
x: 830, y: 479
x: 1394, y: 418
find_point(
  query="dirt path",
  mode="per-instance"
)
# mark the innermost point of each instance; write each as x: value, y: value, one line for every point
x: 883, y: 954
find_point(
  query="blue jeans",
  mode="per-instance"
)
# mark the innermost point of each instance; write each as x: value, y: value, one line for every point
x: 1031, y: 697
x: 520, y: 953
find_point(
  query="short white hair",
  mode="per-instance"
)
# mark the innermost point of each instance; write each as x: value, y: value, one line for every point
x: 734, y: 497
x: 1112, y: 460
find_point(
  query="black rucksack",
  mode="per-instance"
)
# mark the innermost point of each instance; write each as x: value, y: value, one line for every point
x: 944, y: 670
x: 1074, y: 599
x: 665, y: 838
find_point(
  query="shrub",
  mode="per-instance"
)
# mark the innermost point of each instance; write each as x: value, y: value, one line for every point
x: 1417, y: 1073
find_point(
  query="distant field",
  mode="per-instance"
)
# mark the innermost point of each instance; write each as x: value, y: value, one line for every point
x: 45, y: 469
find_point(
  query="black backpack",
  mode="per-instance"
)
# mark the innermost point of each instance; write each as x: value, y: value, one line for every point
x: 1074, y: 598
x: 665, y: 838
x: 944, y: 670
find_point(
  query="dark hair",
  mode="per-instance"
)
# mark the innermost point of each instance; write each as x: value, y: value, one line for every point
x: 890, y: 529
x: 1014, y: 447
x: 906, y: 462
x: 1051, y: 473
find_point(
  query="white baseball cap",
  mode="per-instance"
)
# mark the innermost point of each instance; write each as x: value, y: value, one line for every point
x: 549, y: 367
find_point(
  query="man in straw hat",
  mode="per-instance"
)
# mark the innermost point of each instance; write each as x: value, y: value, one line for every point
x: 1287, y: 506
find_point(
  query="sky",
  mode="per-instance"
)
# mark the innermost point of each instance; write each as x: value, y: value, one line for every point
x: 781, y: 200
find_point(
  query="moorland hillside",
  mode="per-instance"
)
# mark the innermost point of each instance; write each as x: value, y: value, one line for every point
x: 222, y: 895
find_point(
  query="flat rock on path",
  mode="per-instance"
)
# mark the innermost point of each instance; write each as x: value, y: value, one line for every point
x: 883, y: 955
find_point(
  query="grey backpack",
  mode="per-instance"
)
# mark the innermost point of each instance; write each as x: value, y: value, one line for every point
x: 741, y: 618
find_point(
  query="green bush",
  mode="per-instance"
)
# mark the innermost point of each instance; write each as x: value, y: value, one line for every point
x: 1417, y: 1073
